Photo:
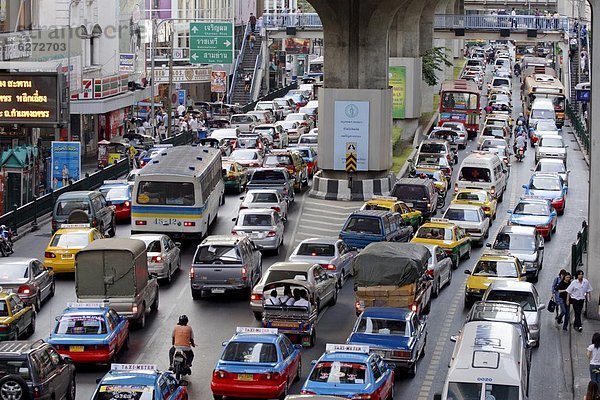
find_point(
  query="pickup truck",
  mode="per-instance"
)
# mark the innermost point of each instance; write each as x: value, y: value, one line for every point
x: 115, y: 271
x: 272, y: 178
x: 393, y: 275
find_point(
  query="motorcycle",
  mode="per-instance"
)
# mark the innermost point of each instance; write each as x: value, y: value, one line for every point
x: 180, y: 364
x: 6, y: 244
x: 520, y: 154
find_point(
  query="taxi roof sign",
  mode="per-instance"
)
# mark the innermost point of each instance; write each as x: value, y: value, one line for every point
x: 74, y: 225
x: 114, y: 181
x: 252, y: 329
x: 440, y: 220
x: 133, y: 367
x: 87, y: 305
x: 348, y: 348
x: 496, y: 252
x: 389, y: 198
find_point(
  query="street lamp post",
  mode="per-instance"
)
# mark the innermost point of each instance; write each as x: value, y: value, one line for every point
x: 69, y: 68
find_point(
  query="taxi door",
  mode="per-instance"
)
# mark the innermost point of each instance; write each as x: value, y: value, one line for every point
x: 118, y: 328
x: 43, y: 278
x: 325, y: 286
x: 18, y: 312
x: 168, y: 389
x: 58, y: 376
x: 463, y: 241
x: 290, y: 363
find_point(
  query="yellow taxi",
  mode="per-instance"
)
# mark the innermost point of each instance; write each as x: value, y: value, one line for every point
x: 235, y: 176
x: 66, y: 243
x: 384, y: 203
x: 493, y: 265
x: 477, y: 197
x: 450, y: 237
x: 17, y: 319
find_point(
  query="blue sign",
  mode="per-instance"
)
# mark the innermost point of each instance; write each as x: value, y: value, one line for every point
x: 181, y: 96
x: 582, y: 95
x: 66, y: 163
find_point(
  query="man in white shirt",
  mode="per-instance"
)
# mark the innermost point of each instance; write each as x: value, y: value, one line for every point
x: 273, y: 300
x: 194, y: 127
x: 302, y: 301
x: 180, y: 109
x: 578, y: 291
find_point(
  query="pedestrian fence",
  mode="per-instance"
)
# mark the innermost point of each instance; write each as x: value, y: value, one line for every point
x: 30, y: 212
x: 578, y: 248
x: 496, y: 22
x: 578, y: 126
x: 180, y: 139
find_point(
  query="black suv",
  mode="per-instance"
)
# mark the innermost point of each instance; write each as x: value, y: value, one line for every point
x: 34, y: 369
x: 88, y: 207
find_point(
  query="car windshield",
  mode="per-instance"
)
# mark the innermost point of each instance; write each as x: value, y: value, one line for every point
x: 268, y: 175
x: 129, y: 392
x: 275, y: 160
x: 75, y: 240
x: 558, y: 167
x: 263, y: 129
x: 280, y: 275
x: 209, y: 254
x: 433, y: 148
x: 264, y: 106
x: 551, y: 142
x: 493, y: 131
x: 119, y: 193
x: 152, y: 245
x: 316, y: 250
x: 426, y: 232
x: 506, y: 241
x: 304, y: 153
x: 410, y: 193
x: 363, y: 225
x: 505, y: 269
x: 531, y: 209
x: 81, y: 325
x: 546, y: 126
x: 247, y: 142
x: 380, y: 326
x: 12, y: 271
x: 248, y: 352
x: 544, y: 183
x: 257, y: 220
x: 309, y: 140
x: 453, y: 125
x: 524, y: 299
x: 540, y: 113
x: 261, y: 198
x: 459, y: 214
x: 429, y: 160
x: 66, y: 207
x: 475, y: 174
x: 501, y: 82
x: 244, y: 155
x: 469, y: 196
x: 295, y: 117
x: 339, y: 372
x: 241, y: 119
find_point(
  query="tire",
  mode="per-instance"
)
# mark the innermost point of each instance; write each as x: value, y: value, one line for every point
x: 285, y: 391
x: 412, y: 371
x: 427, y: 308
x: 257, y: 315
x: 549, y: 238
x: 196, y: 294
x: 52, y: 288
x: 467, y: 303
x: 141, y: 321
x: 335, y: 297
x: 501, y: 198
x: 436, y: 289
x: 313, y: 338
x: 125, y: 346
x: 37, y: 304
x: 169, y: 278
x: 3, y: 250
x: 217, y: 397
x: 72, y: 392
x: 469, y: 253
x: 299, y: 372
x: 391, y: 394
x: 155, y: 303
x: 14, y: 387
x: 449, y: 278
x: 113, y: 229
x: 554, y: 229
x: 31, y: 328
x: 240, y: 188
x: 455, y: 261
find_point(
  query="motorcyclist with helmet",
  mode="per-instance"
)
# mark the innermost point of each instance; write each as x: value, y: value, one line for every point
x: 521, y: 118
x: 182, y: 339
x: 6, y: 237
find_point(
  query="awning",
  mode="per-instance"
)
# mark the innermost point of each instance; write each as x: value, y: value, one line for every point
x: 103, y: 106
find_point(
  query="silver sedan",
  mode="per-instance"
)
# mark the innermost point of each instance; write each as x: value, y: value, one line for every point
x: 265, y: 198
x: 164, y: 257
x: 264, y: 226
x: 330, y: 252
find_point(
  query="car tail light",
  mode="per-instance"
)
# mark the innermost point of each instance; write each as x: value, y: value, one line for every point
x: 272, y: 376
x: 156, y: 259
x: 414, y: 307
x: 493, y: 190
x: 329, y: 267
x: 134, y: 308
x: 278, y: 209
x: 256, y: 297
x: 447, y: 171
x: 192, y: 273
x: 189, y: 223
x: 401, y: 354
x: 486, y: 209
x: 49, y: 254
x: 361, y: 396
x: 97, y: 347
x: 94, y: 222
x: 244, y: 274
x: 429, y: 272
x: 25, y: 289
x: 127, y: 204
x: 307, y: 392
x: 4, y: 328
x: 243, y: 207
x: 271, y: 234
x: 448, y: 157
x: 220, y: 374
x: 138, y: 222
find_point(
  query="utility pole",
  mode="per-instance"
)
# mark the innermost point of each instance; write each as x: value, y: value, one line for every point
x: 152, y: 50
x: 169, y: 100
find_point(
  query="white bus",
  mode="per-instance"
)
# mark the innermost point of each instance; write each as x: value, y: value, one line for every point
x: 178, y: 193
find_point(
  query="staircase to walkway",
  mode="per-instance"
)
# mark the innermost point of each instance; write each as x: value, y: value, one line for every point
x: 574, y: 76
x: 246, y: 66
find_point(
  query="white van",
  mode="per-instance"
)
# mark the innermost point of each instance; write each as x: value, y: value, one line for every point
x: 488, y: 361
x: 482, y: 170
x: 541, y: 109
x: 501, y: 81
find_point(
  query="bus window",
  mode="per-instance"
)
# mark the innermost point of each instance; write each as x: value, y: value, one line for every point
x: 166, y: 193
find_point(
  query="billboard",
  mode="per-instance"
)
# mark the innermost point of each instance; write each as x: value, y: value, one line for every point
x: 297, y: 46
x: 218, y: 81
x: 397, y: 79
x: 66, y: 163
x: 351, y: 134
x: 29, y: 98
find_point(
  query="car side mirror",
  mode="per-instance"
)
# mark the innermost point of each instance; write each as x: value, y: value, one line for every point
x: 98, y: 380
x: 177, y: 244
x: 524, y: 186
x: 313, y: 362
x: 542, y: 306
x: 530, y: 343
x: 224, y: 343
x: 509, y: 211
x: 49, y: 269
x: 467, y: 272
x: 233, y: 219
x: 298, y: 346
x: 488, y: 245
x: 453, y: 338
x: 67, y: 360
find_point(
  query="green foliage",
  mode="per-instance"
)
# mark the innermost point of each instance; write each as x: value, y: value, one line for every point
x: 433, y: 59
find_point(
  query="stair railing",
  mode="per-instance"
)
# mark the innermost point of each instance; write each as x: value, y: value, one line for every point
x: 240, y: 57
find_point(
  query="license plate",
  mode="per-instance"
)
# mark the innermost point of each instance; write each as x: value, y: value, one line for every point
x: 245, y: 377
x: 217, y: 290
x: 165, y: 221
x: 409, y: 205
x: 284, y: 324
x: 76, y: 349
x: 67, y: 256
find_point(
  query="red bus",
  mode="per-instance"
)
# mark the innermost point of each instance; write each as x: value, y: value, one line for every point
x: 459, y: 102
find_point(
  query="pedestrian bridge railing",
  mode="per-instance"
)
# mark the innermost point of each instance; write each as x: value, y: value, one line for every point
x: 494, y: 22
x: 285, y: 20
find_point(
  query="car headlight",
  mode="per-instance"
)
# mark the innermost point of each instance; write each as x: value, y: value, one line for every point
x: 529, y: 264
x: 473, y: 290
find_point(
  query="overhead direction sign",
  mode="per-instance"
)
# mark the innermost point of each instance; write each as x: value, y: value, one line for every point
x: 211, y: 43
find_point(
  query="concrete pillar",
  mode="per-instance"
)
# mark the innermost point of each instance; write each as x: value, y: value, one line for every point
x: 425, y: 44
x: 593, y: 272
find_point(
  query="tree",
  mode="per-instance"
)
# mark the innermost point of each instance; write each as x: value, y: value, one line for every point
x: 432, y: 61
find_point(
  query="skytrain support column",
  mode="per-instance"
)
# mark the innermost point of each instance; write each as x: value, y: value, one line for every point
x: 355, y: 110
x: 593, y: 269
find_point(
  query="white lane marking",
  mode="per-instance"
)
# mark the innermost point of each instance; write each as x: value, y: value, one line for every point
x: 293, y: 239
x: 311, y: 228
x: 332, y: 203
x: 320, y: 211
x: 322, y: 214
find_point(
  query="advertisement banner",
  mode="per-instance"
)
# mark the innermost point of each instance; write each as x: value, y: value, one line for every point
x: 66, y: 163
x: 29, y: 98
x: 351, y: 134
x: 297, y: 46
x: 218, y: 81
x: 397, y: 78
x: 126, y: 62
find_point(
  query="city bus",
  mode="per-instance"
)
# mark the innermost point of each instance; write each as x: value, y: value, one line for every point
x: 459, y: 102
x: 315, y: 68
x: 545, y: 86
x: 178, y: 193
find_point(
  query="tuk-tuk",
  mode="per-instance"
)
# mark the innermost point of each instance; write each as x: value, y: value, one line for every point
x: 297, y: 322
x: 111, y: 152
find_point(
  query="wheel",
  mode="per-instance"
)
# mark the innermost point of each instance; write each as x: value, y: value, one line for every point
x: 427, y: 309
x: 487, y: 234
x: 217, y: 397
x: 141, y: 321
x: 554, y: 229
x: 422, y: 354
x: 154, y: 305
x: 455, y: 261
x: 285, y: 391
x: 3, y: 250
x: 313, y: 338
x: 31, y: 327
x: 52, y: 288
x: 257, y: 316
x: 113, y: 229
x: 169, y: 279
x: 391, y: 394
x: 340, y: 282
x: 125, y: 344
x: 37, y: 304
x: 436, y: 288
x: 240, y: 188
x: 501, y: 199
x: 299, y: 371
x: 468, y: 255
x: 196, y: 294
x: 467, y: 303
x: 13, y: 387
x: 449, y: 278
x: 334, y: 298
x: 72, y: 393
x: 412, y: 371
x: 549, y: 237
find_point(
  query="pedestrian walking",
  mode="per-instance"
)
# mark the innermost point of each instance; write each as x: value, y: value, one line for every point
x: 583, y: 35
x: 162, y: 131
x: 555, y: 18
x: 537, y: 15
x: 247, y: 82
x: 252, y: 21
x: 180, y: 109
x: 194, y: 127
x: 592, y: 393
x: 555, y: 282
x: 513, y: 18
x: 578, y: 291
x: 252, y: 41
x: 561, y: 300
x: 189, y: 102
x: 593, y: 353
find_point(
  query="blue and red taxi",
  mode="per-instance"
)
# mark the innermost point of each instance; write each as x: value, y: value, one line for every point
x: 548, y: 186
x: 256, y: 363
x: 139, y: 382
x: 352, y: 372
x: 118, y: 194
x: 90, y: 333
x: 536, y: 212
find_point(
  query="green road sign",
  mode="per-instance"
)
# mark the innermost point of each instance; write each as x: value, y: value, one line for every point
x: 211, y: 43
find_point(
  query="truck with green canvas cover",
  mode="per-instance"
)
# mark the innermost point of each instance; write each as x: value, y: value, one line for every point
x: 390, y: 274
x: 115, y: 271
